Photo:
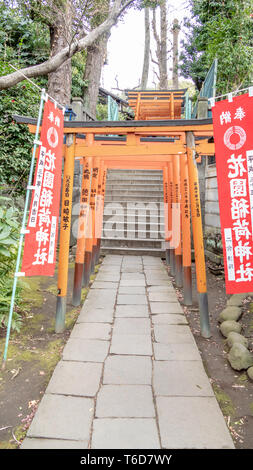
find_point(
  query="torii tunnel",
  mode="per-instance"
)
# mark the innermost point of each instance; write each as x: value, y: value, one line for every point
x: 157, y: 142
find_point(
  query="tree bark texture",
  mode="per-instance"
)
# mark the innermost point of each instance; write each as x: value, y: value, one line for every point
x: 175, y: 31
x: 59, y: 81
x: 161, y: 45
x: 145, y: 69
x: 96, y: 54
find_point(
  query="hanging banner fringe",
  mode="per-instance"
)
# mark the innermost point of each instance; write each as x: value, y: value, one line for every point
x: 230, y: 95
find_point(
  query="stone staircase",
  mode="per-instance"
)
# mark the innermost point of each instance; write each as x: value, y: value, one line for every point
x: 133, y: 220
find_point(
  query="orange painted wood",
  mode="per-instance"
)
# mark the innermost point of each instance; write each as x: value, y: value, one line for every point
x: 177, y: 200
x: 66, y: 203
x: 84, y: 209
x: 196, y: 223
x: 185, y: 212
x: 166, y: 201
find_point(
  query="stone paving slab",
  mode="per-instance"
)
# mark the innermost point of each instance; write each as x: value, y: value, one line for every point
x: 104, y: 285
x: 132, y: 269
x: 187, y: 423
x: 72, y: 418
x: 87, y: 350
x: 138, y: 345
x: 115, y: 269
x: 167, y: 287
x: 176, y: 352
x: 132, y: 283
x: 131, y: 326
x: 181, y: 378
x: 165, y: 307
x: 125, y: 434
x: 157, y: 282
x: 104, y: 297
x: 92, y: 331
x: 76, y: 378
x: 37, y: 443
x: 132, y: 299
x: 135, y: 311
x: 132, y: 276
x: 128, y: 370
x: 132, y: 290
x: 113, y: 387
x: 162, y: 297
x: 170, y: 334
x: 169, y: 319
x: 87, y: 314
x: 107, y: 277
x: 125, y: 401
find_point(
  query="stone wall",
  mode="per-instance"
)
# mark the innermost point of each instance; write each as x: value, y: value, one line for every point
x: 212, y: 215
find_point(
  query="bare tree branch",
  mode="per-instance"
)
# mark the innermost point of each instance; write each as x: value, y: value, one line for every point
x: 58, y: 59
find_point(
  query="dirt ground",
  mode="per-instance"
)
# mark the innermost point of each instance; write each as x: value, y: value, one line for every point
x: 35, y: 351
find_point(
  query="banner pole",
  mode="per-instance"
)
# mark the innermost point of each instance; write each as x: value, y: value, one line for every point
x: 23, y: 228
x: 67, y: 192
x: 197, y: 232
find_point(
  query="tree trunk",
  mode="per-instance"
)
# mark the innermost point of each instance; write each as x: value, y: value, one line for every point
x: 59, y: 81
x: 163, y: 46
x: 67, y: 52
x: 94, y: 63
x: 145, y: 69
x: 175, y: 31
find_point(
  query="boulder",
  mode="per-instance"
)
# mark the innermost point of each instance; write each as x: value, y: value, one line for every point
x: 236, y: 300
x: 230, y: 313
x: 250, y: 372
x: 230, y: 325
x: 239, y: 357
x: 234, y: 337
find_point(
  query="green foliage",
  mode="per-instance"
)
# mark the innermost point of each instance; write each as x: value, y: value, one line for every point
x: 102, y: 112
x: 222, y: 30
x: 22, y: 40
x: 78, y: 66
x: 22, y: 43
x: 15, y: 139
x: 9, y: 234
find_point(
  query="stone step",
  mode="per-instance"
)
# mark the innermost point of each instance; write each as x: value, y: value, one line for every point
x: 128, y: 198
x: 135, y: 179
x: 133, y: 185
x: 132, y: 251
x: 132, y: 242
x: 141, y: 234
x: 134, y: 224
x: 133, y: 212
x: 135, y: 172
x: 132, y: 221
x: 134, y: 207
x: 119, y: 192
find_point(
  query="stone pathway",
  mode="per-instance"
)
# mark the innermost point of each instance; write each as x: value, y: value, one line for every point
x: 131, y: 376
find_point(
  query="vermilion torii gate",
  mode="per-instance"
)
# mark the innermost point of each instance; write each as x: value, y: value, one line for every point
x: 170, y: 145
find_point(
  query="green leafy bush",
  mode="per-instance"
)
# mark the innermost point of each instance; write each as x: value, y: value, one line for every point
x: 9, y: 235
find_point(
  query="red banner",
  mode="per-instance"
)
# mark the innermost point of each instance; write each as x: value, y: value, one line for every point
x: 233, y: 137
x: 42, y: 228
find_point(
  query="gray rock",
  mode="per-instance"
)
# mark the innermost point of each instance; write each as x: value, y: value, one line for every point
x: 230, y: 325
x: 236, y: 300
x: 250, y: 372
x: 230, y: 313
x: 239, y: 357
x: 234, y: 337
